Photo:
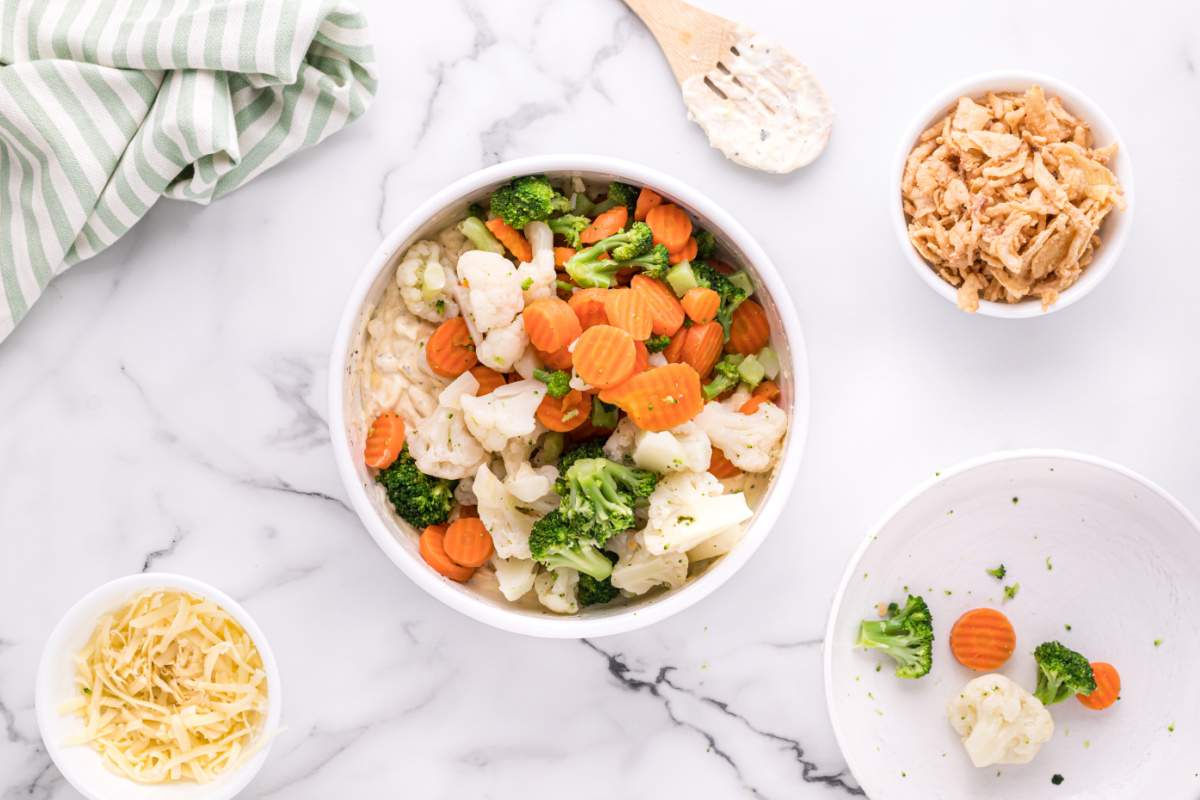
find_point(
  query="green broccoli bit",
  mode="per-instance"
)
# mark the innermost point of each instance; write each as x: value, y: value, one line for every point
x: 725, y: 376
x: 526, y: 199
x: 476, y: 210
x: 751, y: 371
x: 478, y: 235
x: 619, y: 194
x: 1061, y: 673
x: 421, y: 500
x: 731, y: 295
x: 681, y: 278
x: 741, y: 279
x: 656, y: 344
x: 1011, y: 591
x: 555, y: 543
x: 550, y: 447
x: 592, y: 592
x: 603, y: 414
x: 591, y: 268
x: 601, y: 494
x: 558, y: 382
x: 906, y: 635
x: 569, y: 226
x: 706, y: 244
x: 998, y: 573
x: 589, y: 448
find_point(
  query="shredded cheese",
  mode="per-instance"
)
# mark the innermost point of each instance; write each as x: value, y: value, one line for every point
x: 171, y: 689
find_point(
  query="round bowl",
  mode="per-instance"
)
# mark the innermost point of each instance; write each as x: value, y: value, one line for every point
x: 1108, y: 564
x: 80, y: 764
x: 399, y: 541
x: 1113, y: 231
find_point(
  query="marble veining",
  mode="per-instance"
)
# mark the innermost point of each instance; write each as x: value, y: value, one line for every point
x: 163, y: 407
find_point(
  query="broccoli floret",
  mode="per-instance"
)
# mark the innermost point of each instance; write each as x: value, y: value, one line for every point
x: 656, y: 344
x: 619, y: 194
x: 603, y: 414
x: 725, y: 377
x: 1061, y: 673
x: 526, y: 199
x: 601, y: 494
x: 589, y: 448
x: 731, y: 295
x: 998, y: 573
x: 558, y: 382
x: 905, y: 634
x: 569, y: 226
x: 554, y: 542
x: 419, y: 499
x: 590, y: 268
x: 706, y: 245
x: 654, y: 263
x: 592, y: 592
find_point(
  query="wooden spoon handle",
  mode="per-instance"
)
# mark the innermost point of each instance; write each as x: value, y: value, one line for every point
x: 692, y: 40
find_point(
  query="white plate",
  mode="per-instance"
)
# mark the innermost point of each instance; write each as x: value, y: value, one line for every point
x: 1126, y: 571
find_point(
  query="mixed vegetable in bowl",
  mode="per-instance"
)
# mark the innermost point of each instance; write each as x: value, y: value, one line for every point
x: 571, y: 395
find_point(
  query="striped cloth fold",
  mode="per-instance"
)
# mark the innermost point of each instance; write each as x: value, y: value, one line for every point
x: 106, y: 105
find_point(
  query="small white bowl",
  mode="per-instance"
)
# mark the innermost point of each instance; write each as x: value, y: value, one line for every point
x: 80, y: 764
x: 1113, y: 231
x: 1094, y: 547
x: 399, y: 541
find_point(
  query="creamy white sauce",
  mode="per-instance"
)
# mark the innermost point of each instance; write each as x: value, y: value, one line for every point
x: 774, y: 116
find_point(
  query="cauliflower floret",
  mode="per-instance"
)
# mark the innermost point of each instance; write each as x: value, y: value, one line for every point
x: 504, y: 413
x: 464, y: 385
x: 999, y: 722
x: 453, y: 243
x: 718, y: 545
x: 506, y: 518
x: 684, y: 448
x: 494, y: 290
x: 686, y: 508
x: 533, y: 486
x: 750, y: 441
x: 425, y: 282
x: 619, y: 445
x: 443, y: 447
x: 637, y: 570
x: 514, y: 575
x: 502, y: 348
x: 527, y: 363
x: 556, y: 590
x: 538, y: 276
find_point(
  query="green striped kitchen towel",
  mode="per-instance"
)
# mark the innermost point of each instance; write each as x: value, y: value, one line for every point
x: 107, y: 104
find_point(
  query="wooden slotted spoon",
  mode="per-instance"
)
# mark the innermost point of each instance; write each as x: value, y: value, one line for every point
x: 756, y: 102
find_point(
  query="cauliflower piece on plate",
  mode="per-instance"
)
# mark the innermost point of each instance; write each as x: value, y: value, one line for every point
x: 556, y: 590
x: 443, y: 447
x: 999, y: 722
x: 507, y: 518
x: 750, y: 441
x: 687, y: 508
x: 637, y: 570
x: 494, y: 290
x: 619, y: 445
x: 425, y: 280
x: 683, y: 448
x: 537, y: 277
x: 464, y: 385
x: 502, y: 348
x: 514, y: 576
x: 503, y: 414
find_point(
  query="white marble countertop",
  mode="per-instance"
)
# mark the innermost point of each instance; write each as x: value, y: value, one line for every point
x: 164, y: 406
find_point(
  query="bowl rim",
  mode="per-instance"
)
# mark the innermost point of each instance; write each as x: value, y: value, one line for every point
x: 47, y: 712
x: 971, y: 86
x: 911, y: 495
x: 639, y: 615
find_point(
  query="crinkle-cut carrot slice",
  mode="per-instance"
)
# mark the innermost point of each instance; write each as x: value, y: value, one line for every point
x: 701, y: 305
x: 551, y: 324
x: 450, y: 350
x: 703, y: 346
x: 749, y: 331
x: 666, y: 312
x: 467, y: 542
x: 589, y: 307
x: 512, y: 239
x: 659, y: 398
x: 385, y: 440
x: 671, y: 226
x: 982, y: 639
x: 647, y: 199
x: 566, y: 413
x: 604, y: 356
x: 629, y: 311
x: 433, y: 550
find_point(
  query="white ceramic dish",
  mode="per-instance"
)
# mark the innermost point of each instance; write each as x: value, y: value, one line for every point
x: 399, y: 542
x: 1113, y: 231
x: 81, y: 765
x: 1126, y: 571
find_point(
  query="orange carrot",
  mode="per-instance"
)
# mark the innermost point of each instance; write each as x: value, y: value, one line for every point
x: 670, y: 225
x: 566, y: 413
x: 1108, y: 687
x: 702, y: 347
x: 765, y: 392
x: 629, y: 311
x: 647, y: 199
x: 450, y: 350
x: 749, y: 331
x: 385, y: 439
x: 666, y: 313
x: 433, y: 550
x: 686, y: 254
x: 982, y: 639
x: 467, y: 542
x: 489, y: 380
x: 562, y: 255
x: 674, y: 351
x: 511, y: 238
x: 589, y: 307
x: 722, y: 467
x: 605, y: 225
x: 642, y: 358
x: 551, y: 324
x: 701, y: 305
x: 660, y: 398
x: 604, y: 356
x: 559, y: 359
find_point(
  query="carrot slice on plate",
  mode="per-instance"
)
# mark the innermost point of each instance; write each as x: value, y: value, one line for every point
x: 450, y: 350
x: 433, y: 550
x: 562, y: 255
x: 660, y: 398
x: 588, y: 305
x: 467, y: 542
x: 674, y: 351
x: 670, y: 225
x: 566, y: 413
x: 604, y: 356
x: 701, y: 305
x: 559, y: 359
x: 982, y: 639
x: 629, y: 311
x: 551, y: 324
x: 647, y: 199
x: 703, y: 346
x: 666, y: 313
x: 1108, y: 687
x: 385, y: 440
x: 489, y: 380
x: 605, y: 225
x: 749, y: 331
x: 687, y: 253
x: 641, y: 358
x: 720, y: 466
x: 765, y: 392
x: 512, y: 239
